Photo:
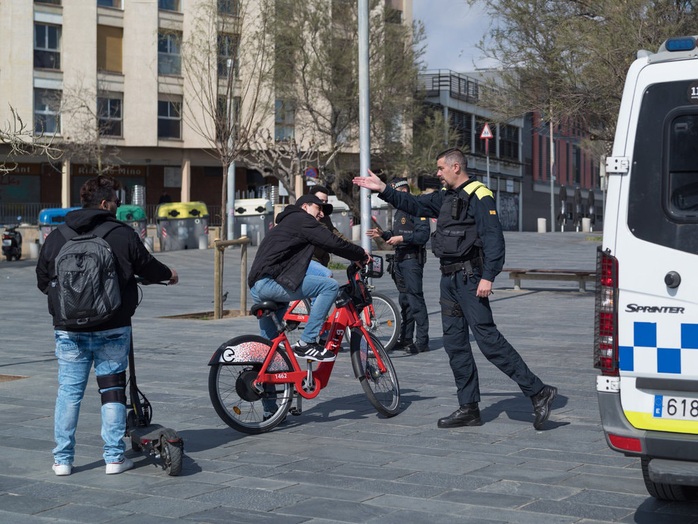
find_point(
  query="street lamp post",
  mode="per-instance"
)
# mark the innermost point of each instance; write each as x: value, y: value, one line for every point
x: 230, y: 198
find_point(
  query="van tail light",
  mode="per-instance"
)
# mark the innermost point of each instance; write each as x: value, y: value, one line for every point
x: 606, y: 314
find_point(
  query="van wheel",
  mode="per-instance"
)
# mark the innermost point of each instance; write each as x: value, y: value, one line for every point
x: 675, y: 492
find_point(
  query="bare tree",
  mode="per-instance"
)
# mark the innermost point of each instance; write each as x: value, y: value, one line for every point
x: 90, y: 118
x: 228, y: 61
x: 317, y: 71
x: 20, y: 139
x: 570, y: 65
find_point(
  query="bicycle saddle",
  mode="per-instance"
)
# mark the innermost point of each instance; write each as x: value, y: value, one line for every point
x: 265, y: 308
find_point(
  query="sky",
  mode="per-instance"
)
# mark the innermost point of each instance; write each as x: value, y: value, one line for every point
x: 453, y: 30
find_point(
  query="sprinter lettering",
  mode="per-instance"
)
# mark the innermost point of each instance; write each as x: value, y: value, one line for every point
x: 635, y: 308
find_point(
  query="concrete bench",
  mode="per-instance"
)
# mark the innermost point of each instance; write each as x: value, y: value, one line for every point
x: 582, y: 276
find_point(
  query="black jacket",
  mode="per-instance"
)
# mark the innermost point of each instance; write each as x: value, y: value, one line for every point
x: 286, y: 251
x: 481, y: 208
x: 132, y: 258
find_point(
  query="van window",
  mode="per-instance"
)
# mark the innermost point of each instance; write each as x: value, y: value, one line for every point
x: 663, y: 206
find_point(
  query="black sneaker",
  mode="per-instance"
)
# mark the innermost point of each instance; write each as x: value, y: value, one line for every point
x: 313, y: 351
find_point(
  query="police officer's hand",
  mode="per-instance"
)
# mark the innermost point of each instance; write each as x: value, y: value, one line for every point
x: 174, y: 278
x: 371, y: 181
x: 394, y: 241
x: 484, y: 288
x: 374, y: 233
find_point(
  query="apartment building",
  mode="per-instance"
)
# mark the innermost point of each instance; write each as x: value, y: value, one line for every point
x: 66, y: 64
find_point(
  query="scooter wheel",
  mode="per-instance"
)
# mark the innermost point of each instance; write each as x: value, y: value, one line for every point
x: 171, y: 454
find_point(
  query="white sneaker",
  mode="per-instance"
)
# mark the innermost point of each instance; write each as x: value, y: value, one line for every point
x: 62, y: 470
x: 119, y: 467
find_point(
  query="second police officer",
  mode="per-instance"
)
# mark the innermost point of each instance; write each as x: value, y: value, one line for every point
x: 470, y: 245
x: 408, y: 237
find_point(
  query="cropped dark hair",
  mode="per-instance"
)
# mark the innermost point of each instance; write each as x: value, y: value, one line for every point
x: 454, y: 156
x: 318, y: 189
x: 97, y: 189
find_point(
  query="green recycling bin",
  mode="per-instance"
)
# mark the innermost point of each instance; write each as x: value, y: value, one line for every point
x: 181, y: 225
x: 135, y: 217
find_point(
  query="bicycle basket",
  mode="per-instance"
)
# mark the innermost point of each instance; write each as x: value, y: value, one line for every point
x: 358, y: 292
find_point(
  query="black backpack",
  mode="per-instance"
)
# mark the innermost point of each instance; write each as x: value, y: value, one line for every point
x: 84, y: 291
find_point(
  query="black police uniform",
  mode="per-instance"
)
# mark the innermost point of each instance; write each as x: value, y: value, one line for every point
x: 407, y: 272
x: 470, y: 245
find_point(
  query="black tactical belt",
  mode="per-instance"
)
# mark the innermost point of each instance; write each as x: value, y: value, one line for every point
x: 467, y: 265
x: 400, y: 258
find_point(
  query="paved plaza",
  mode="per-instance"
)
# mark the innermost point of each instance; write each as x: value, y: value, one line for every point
x: 339, y: 461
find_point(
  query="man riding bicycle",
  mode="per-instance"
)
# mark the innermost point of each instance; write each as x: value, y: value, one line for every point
x: 279, y: 270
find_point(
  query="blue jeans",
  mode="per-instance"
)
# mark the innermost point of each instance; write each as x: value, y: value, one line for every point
x: 77, y: 352
x: 323, y: 289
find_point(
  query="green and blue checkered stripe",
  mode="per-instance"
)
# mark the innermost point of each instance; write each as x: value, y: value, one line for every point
x: 646, y: 346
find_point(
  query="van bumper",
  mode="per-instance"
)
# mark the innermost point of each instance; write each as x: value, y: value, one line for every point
x: 674, y: 456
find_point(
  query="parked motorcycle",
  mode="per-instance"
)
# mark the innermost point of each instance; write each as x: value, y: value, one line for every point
x: 12, y: 242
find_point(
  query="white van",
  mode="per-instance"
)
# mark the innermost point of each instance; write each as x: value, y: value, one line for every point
x: 646, y: 332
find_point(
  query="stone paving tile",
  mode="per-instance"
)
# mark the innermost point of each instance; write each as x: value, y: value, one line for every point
x: 573, y: 509
x: 87, y: 513
x: 529, y: 489
x: 18, y: 518
x: 338, y: 510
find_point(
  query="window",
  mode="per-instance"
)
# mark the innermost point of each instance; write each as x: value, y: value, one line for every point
x: 509, y: 142
x: 169, y: 118
x: 109, y: 114
x: 109, y: 3
x: 462, y: 124
x: 222, y: 122
x: 109, y: 45
x: 169, y: 57
x: 47, y: 46
x: 284, y: 120
x: 229, y: 7
x: 47, y: 116
x: 228, y: 46
x: 168, y: 5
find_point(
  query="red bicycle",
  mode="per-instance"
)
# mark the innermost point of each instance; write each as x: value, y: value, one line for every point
x: 253, y: 381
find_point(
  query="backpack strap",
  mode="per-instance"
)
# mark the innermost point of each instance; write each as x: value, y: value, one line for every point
x: 105, y: 228
x: 102, y: 230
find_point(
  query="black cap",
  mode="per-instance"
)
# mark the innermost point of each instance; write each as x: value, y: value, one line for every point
x: 312, y: 199
x: 398, y: 182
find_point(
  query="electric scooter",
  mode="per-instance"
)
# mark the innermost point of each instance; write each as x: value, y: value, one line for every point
x: 154, y: 440
x: 12, y: 242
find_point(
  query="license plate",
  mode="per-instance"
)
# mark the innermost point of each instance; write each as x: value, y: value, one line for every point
x: 7, y: 242
x: 680, y: 408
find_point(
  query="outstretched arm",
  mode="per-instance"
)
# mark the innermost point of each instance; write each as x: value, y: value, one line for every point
x: 371, y: 182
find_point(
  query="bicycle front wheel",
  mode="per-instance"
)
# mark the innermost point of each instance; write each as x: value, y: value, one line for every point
x: 382, y: 389
x: 233, y: 395
x: 382, y: 320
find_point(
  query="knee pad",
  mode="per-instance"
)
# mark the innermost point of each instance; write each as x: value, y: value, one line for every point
x: 112, y: 388
x: 450, y: 308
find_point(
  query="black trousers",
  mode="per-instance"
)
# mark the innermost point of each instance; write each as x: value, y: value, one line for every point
x: 408, y: 276
x: 461, y: 309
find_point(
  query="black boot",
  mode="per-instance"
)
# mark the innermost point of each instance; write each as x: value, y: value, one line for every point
x: 541, y: 405
x: 467, y: 415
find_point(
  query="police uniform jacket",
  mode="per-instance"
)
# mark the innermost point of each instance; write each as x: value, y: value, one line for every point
x: 285, y: 253
x: 414, y: 232
x: 478, y: 220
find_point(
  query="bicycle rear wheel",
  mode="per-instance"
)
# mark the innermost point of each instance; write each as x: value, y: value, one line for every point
x: 236, y: 401
x: 382, y: 320
x: 382, y: 389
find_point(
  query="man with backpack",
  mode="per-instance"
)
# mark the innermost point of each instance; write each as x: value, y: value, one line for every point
x: 87, y: 267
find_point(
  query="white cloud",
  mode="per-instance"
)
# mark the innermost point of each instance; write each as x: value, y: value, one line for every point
x: 453, y: 30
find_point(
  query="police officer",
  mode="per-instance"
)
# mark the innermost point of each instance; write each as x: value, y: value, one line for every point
x: 408, y: 236
x: 470, y: 245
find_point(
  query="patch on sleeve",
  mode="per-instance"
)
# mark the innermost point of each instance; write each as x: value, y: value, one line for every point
x: 493, y: 211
